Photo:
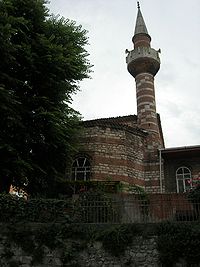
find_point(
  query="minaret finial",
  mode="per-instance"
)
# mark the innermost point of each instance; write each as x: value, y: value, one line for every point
x: 138, y: 4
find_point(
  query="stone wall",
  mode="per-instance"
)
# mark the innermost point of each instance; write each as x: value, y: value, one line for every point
x: 24, y: 254
x: 76, y: 251
x: 141, y: 253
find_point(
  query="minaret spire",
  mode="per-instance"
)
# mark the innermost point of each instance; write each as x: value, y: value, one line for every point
x: 140, y: 26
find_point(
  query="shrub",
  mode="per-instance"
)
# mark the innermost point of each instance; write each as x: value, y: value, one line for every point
x: 178, y: 241
x: 194, y: 197
x: 115, y: 239
x: 15, y: 209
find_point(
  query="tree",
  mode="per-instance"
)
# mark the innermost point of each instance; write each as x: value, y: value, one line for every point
x: 42, y: 60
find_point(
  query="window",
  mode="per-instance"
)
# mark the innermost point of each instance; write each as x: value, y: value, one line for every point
x: 183, y: 179
x: 81, y: 169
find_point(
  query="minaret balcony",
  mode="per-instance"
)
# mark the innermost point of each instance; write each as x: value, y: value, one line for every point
x: 142, y: 52
x: 143, y: 59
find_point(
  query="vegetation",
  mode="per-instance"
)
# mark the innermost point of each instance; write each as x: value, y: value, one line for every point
x: 42, y: 60
x: 14, y: 209
x: 115, y: 239
x: 179, y: 241
x: 194, y: 196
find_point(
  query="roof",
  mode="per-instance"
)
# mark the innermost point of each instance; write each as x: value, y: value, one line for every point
x: 126, y: 123
x: 118, y: 119
x: 185, y: 151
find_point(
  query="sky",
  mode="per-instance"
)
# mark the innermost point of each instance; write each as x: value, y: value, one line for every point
x: 174, y: 26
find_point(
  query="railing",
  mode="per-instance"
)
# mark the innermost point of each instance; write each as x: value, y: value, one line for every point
x: 136, y: 211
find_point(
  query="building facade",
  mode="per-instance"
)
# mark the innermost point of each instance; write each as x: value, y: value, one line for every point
x: 130, y: 149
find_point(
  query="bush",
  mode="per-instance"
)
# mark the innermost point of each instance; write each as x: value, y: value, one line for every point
x: 15, y: 209
x: 194, y: 197
x: 194, y: 194
x: 178, y: 241
x: 115, y: 239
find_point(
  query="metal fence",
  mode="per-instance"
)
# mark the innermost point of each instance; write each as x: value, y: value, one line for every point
x: 136, y: 211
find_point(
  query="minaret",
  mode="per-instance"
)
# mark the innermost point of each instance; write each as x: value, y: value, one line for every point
x: 143, y: 63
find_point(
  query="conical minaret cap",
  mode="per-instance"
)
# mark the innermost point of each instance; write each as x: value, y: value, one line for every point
x: 140, y: 26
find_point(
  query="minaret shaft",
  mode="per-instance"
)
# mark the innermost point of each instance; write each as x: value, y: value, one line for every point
x: 146, y: 106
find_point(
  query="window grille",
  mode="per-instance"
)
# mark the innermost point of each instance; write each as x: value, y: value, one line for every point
x: 81, y: 169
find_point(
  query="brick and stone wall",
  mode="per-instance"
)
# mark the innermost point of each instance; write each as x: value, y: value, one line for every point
x: 115, y: 153
x: 120, y: 151
x: 152, y: 165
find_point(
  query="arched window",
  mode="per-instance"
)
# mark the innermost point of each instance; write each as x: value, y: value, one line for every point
x: 183, y: 179
x: 81, y: 169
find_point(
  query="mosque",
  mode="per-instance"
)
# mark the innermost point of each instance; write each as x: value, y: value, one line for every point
x: 131, y: 149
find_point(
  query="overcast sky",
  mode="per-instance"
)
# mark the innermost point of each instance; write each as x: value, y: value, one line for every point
x: 174, y: 26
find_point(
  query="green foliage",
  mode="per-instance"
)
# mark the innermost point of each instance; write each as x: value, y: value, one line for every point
x: 53, y: 236
x: 70, y: 187
x: 143, y: 198
x: 115, y: 239
x: 23, y: 239
x: 178, y: 241
x: 48, y: 236
x: 70, y: 253
x: 194, y: 195
x: 42, y: 60
x: 14, y: 209
x: 139, y: 191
